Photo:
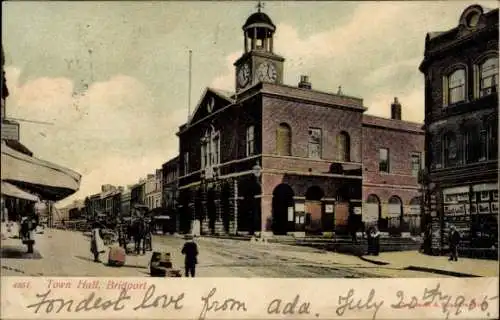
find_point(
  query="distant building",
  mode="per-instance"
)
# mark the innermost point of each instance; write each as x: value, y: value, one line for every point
x: 111, y: 201
x: 153, y: 192
x: 125, y: 203
x: 461, y: 126
x: 137, y: 193
x: 170, y: 170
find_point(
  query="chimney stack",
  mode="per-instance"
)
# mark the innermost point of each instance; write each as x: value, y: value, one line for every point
x: 304, y: 82
x: 396, y: 110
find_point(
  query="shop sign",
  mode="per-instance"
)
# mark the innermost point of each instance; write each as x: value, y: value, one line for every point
x: 329, y: 208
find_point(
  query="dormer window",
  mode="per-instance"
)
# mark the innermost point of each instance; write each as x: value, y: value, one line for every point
x: 454, y: 87
x: 472, y: 19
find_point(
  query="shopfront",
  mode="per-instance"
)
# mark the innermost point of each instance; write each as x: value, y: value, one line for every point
x: 473, y: 210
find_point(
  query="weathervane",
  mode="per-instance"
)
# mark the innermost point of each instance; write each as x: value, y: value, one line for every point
x: 260, y: 5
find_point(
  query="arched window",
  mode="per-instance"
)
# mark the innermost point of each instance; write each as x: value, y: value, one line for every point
x: 284, y: 140
x: 343, y: 147
x: 488, y: 77
x: 395, y: 206
x: 454, y: 87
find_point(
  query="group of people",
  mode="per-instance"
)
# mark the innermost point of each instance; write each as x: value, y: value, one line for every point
x: 139, y: 231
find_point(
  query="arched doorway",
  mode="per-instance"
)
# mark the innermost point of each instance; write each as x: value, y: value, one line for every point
x: 395, y: 214
x: 372, y: 214
x: 282, y: 205
x: 314, y: 210
x: 342, y: 209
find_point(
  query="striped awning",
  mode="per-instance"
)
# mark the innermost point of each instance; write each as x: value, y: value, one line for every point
x: 49, y: 180
x: 15, y: 192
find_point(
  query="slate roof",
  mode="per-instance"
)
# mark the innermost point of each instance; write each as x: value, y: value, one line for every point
x: 401, y: 125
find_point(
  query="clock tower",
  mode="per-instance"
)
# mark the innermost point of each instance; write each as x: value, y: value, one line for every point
x: 258, y: 63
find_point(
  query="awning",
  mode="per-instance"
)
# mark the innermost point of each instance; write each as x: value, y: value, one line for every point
x: 13, y: 191
x: 49, y: 180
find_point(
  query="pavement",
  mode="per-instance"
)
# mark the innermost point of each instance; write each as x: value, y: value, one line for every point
x: 67, y: 253
x: 414, y: 260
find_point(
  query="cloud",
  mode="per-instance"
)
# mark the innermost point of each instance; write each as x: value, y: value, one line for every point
x: 374, y: 55
x: 108, y: 132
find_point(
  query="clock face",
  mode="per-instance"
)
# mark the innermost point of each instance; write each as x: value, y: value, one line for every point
x: 266, y: 72
x: 244, y: 75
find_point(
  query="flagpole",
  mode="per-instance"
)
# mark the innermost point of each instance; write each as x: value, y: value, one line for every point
x: 189, y: 84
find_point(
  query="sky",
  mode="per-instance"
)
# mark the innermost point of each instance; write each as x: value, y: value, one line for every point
x: 112, y: 77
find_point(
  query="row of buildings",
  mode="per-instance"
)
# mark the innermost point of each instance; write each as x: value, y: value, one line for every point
x: 275, y: 158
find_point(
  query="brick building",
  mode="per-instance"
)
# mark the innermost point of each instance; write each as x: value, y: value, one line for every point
x: 270, y: 157
x: 461, y: 123
x: 283, y: 159
x: 392, y: 162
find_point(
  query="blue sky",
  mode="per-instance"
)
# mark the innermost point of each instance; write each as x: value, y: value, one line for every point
x: 116, y: 110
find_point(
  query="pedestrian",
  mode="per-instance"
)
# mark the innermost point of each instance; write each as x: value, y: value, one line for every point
x: 190, y: 252
x: 376, y: 241
x: 96, y: 242
x: 139, y: 236
x: 352, y: 225
x: 454, y: 242
x: 369, y: 239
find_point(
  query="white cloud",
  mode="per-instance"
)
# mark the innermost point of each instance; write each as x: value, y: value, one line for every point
x: 374, y: 55
x: 106, y: 133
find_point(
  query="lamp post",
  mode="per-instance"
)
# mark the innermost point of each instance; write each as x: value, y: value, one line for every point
x: 257, y: 172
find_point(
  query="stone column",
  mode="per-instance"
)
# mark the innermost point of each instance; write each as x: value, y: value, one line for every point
x: 205, y: 227
x: 219, y: 224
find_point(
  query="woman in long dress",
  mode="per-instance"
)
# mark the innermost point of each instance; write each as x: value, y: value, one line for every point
x: 96, y: 243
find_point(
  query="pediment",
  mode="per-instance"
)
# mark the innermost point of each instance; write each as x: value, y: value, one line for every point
x: 211, y: 101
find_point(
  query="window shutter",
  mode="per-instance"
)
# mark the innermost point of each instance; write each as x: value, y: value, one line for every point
x: 445, y: 91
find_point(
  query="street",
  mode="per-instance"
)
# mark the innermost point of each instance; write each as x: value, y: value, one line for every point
x: 67, y: 253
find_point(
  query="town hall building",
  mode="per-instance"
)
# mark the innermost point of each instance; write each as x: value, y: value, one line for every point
x: 274, y: 158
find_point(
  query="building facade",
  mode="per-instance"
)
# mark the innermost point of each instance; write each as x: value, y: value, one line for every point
x: 392, y: 162
x: 125, y: 198
x: 270, y: 158
x: 170, y: 170
x: 111, y: 201
x: 137, y: 194
x: 153, y: 190
x: 461, y: 125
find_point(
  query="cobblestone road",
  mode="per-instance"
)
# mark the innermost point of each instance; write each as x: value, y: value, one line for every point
x: 67, y: 253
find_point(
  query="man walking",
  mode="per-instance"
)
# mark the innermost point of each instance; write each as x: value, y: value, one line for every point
x: 190, y: 251
x: 454, y: 242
